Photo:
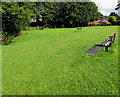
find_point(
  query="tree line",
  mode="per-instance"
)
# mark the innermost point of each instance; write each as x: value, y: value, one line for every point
x: 17, y: 15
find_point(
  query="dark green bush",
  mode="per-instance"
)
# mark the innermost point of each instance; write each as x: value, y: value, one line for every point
x: 79, y: 28
x: 7, y: 40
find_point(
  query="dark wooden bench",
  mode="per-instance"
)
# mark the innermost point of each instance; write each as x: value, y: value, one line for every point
x: 108, y: 42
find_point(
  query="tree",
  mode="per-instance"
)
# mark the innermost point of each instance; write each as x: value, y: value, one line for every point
x: 118, y: 6
x: 70, y: 14
x: 113, y: 14
x: 85, y: 12
x: 16, y: 16
x: 112, y: 19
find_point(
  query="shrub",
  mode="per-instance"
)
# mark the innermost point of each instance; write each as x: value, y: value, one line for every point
x: 112, y: 19
x: 79, y: 28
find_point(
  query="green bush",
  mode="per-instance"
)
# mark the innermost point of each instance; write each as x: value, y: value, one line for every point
x: 7, y: 40
x: 112, y: 19
x: 79, y: 28
x: 11, y: 28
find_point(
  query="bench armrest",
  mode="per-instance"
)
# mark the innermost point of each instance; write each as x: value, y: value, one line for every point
x: 108, y: 43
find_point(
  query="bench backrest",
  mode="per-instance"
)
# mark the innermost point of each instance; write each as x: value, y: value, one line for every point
x: 112, y: 37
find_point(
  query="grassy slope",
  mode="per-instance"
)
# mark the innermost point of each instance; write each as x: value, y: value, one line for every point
x: 52, y: 61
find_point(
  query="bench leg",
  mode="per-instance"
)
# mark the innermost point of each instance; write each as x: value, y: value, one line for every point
x: 106, y: 48
x: 113, y: 40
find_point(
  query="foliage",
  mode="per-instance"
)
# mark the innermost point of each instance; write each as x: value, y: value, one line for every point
x: 52, y: 62
x: 115, y: 23
x: 103, y: 24
x: 15, y: 17
x: 116, y: 15
x: 112, y: 19
x: 118, y: 6
x: 113, y: 14
x: 79, y: 28
x: 100, y: 14
x: 69, y: 14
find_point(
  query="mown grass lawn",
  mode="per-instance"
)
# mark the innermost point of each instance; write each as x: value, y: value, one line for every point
x: 52, y: 62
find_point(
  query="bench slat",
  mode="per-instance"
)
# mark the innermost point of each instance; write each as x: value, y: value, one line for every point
x: 103, y: 42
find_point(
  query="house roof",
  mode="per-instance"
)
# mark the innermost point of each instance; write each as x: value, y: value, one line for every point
x: 103, y: 21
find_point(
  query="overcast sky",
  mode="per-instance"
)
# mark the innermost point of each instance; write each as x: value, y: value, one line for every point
x: 106, y: 6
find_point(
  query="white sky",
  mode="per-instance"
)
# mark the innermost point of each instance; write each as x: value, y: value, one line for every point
x: 106, y: 6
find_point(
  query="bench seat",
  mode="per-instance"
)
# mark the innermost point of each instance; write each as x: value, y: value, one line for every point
x: 108, y: 42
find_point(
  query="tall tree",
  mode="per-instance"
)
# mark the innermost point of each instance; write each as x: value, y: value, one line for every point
x: 16, y: 16
x: 70, y: 13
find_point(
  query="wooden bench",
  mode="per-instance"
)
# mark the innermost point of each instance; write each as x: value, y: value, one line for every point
x: 108, y: 42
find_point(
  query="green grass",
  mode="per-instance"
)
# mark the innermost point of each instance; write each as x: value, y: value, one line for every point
x: 52, y: 62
